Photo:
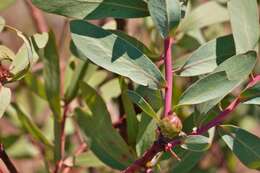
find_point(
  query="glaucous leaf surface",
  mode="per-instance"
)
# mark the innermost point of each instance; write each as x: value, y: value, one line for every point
x: 243, y: 144
x: 103, y: 139
x: 245, y: 24
x: 166, y: 15
x: 206, y: 58
x: 115, y: 54
x: 5, y: 99
x: 226, y: 77
x: 199, y: 17
x: 94, y: 9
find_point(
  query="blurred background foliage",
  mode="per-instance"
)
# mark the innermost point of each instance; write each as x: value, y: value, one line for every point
x: 28, y: 155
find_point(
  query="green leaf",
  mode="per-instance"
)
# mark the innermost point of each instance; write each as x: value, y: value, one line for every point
x: 166, y: 15
x: 94, y: 9
x: 31, y: 127
x: 143, y: 104
x: 146, y: 134
x: 253, y: 101
x: 35, y: 85
x: 200, y: 17
x: 243, y: 144
x: 198, y: 143
x: 188, y: 160
x: 245, y: 24
x: 137, y: 44
x: 110, y: 90
x: 6, y: 3
x: 87, y: 159
x: 78, y: 75
x: 115, y: 54
x: 2, y: 23
x: 51, y: 74
x: 108, y: 145
x: 5, y: 99
x: 131, y: 118
x: 209, y: 56
x: 223, y: 80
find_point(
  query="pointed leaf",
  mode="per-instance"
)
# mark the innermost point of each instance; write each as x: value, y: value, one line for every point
x: 115, y: 54
x: 142, y: 103
x: 245, y: 24
x: 166, y: 15
x: 94, y: 9
x: 243, y: 144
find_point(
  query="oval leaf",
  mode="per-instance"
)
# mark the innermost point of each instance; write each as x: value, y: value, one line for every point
x: 94, y: 9
x: 115, y: 54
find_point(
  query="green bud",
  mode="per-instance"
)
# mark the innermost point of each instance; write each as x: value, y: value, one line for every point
x: 170, y: 126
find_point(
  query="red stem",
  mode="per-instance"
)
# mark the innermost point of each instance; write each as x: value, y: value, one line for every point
x: 140, y: 163
x: 168, y: 74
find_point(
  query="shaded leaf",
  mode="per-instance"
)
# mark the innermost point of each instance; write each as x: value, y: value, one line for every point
x: 131, y: 118
x: 94, y: 9
x: 142, y: 103
x: 78, y: 76
x: 51, y: 72
x: 243, y: 144
x: 115, y: 54
x: 35, y: 85
x: 108, y: 145
x: 188, y: 160
x: 5, y: 99
x: 245, y: 24
x: 146, y: 134
x: 166, y: 15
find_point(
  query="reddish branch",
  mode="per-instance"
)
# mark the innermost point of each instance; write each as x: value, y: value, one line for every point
x: 168, y: 75
x: 159, y: 146
x: 8, y: 163
x: 38, y: 18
